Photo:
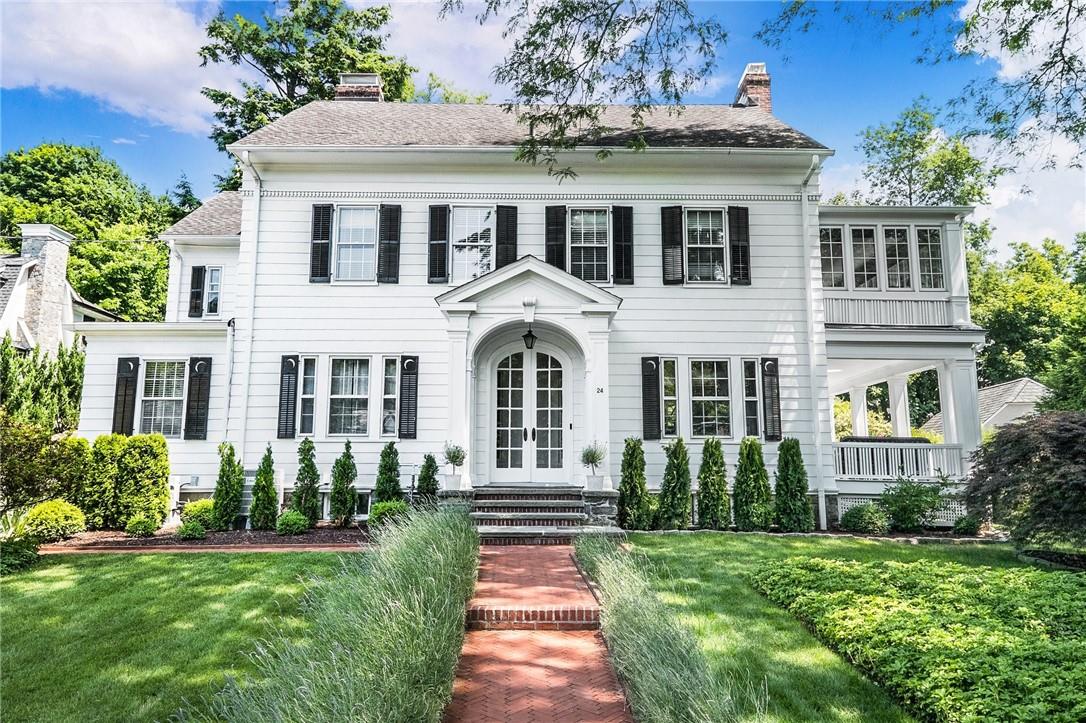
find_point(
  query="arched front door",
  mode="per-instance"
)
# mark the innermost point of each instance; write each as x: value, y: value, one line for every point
x: 532, y: 417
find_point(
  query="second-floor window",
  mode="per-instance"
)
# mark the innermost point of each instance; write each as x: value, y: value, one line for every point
x: 213, y: 290
x: 930, y: 250
x: 163, y: 399
x: 833, y: 258
x: 896, y: 245
x: 356, y: 244
x: 589, y: 244
x: 706, y: 253
x: 349, y: 403
x: 865, y: 264
x: 472, y: 245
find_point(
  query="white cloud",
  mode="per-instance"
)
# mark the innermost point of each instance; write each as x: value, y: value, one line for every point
x: 124, y: 141
x: 1042, y: 36
x: 136, y: 57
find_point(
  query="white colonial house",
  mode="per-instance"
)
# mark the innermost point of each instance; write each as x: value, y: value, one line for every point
x: 389, y: 272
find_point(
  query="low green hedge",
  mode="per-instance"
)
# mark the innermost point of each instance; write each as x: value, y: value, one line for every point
x: 202, y: 511
x: 292, y: 522
x: 140, y: 526
x: 381, y: 512
x: 17, y: 554
x: 191, y: 530
x: 950, y: 642
x: 54, y: 520
x: 866, y: 519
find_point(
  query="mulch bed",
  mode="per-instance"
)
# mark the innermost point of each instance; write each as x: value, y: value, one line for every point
x: 1067, y: 559
x: 238, y: 538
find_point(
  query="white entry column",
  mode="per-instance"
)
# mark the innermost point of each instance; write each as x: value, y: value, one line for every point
x: 857, y: 397
x: 899, y: 405
x: 459, y: 430
x: 598, y: 390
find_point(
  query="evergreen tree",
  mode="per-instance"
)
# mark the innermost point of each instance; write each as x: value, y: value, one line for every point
x: 228, y: 487
x: 674, y: 511
x: 265, y: 506
x: 752, y: 507
x: 633, y: 495
x: 791, y: 505
x: 306, y: 498
x: 427, y: 485
x: 343, y: 496
x: 387, y: 488
x: 714, y: 509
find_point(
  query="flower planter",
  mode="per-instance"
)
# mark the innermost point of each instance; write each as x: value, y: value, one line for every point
x: 594, y: 482
x: 452, y: 481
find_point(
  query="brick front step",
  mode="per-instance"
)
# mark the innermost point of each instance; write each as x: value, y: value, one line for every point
x: 529, y: 519
x: 527, y: 618
x: 530, y: 505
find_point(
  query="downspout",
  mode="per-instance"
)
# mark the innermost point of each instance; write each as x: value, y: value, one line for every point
x: 231, y: 332
x: 244, y: 159
x: 180, y: 271
x: 811, y: 328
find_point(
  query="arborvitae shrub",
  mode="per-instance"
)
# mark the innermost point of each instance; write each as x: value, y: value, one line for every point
x: 265, y: 505
x: 714, y: 509
x: 343, y: 495
x: 674, y: 512
x: 306, y: 499
x: 632, y: 491
x: 98, y: 499
x: 387, y: 488
x: 752, y: 505
x: 228, y: 487
x: 202, y: 511
x: 791, y: 506
x: 53, y: 520
x: 427, y: 486
x: 143, y: 479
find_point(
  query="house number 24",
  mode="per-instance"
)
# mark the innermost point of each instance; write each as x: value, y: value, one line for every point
x: 599, y: 390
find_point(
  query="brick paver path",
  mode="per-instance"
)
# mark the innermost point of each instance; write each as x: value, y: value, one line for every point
x: 533, y: 652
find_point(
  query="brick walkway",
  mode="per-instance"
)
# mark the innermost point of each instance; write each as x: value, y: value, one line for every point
x: 533, y: 652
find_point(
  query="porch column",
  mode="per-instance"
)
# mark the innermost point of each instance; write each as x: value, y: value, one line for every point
x: 857, y: 397
x: 598, y: 392
x: 459, y: 431
x: 966, y: 407
x: 956, y: 275
x: 946, y: 401
x: 899, y: 405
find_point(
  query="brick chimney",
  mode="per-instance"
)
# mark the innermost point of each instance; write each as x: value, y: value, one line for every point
x: 47, y: 295
x: 359, y: 86
x: 754, y: 88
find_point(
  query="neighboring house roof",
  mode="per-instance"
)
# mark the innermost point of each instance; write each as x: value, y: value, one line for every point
x: 93, y: 309
x: 990, y: 400
x: 218, y: 216
x: 10, y: 266
x: 360, y: 124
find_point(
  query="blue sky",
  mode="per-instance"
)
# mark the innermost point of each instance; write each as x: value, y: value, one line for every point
x: 137, y: 96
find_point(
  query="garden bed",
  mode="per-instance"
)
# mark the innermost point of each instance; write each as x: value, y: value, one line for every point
x: 239, y: 538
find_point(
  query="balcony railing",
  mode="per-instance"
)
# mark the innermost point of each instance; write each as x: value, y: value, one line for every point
x: 887, y: 310
x: 890, y: 460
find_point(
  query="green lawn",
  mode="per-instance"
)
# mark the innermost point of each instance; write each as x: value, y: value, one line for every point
x: 128, y: 637
x: 745, y: 635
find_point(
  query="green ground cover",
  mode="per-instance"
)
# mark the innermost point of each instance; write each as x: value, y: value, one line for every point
x: 703, y: 578
x: 130, y: 637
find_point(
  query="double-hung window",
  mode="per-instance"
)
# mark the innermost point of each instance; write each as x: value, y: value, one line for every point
x: 833, y: 257
x: 750, y: 397
x: 349, y: 402
x: 472, y: 245
x: 865, y: 265
x: 896, y: 244
x: 389, y: 396
x: 670, y: 393
x: 929, y: 245
x: 163, y: 400
x: 212, y: 290
x: 308, y: 397
x: 710, y: 404
x: 356, y: 244
x: 706, y: 252
x: 589, y: 244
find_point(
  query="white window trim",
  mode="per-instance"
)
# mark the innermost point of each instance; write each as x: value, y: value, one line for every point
x: 846, y: 268
x: 395, y: 399
x: 333, y: 261
x: 302, y: 358
x: 757, y: 398
x: 690, y: 361
x: 879, y: 260
x: 942, y: 255
x: 610, y: 240
x: 207, y: 291
x: 138, y: 425
x: 453, y: 281
x: 686, y: 246
x: 913, y: 267
x: 332, y: 358
x: 663, y: 400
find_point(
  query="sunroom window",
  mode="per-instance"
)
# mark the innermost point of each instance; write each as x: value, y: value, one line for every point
x: 589, y: 244
x: 833, y: 258
x: 472, y: 242
x: 705, y: 249
x: 356, y: 244
x: 898, y: 273
x: 930, y: 250
x: 163, y: 399
x: 865, y: 265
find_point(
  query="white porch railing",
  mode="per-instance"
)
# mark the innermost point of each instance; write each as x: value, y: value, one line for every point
x: 887, y: 311
x: 890, y: 460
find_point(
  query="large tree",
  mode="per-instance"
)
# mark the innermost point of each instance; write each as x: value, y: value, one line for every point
x: 296, y: 57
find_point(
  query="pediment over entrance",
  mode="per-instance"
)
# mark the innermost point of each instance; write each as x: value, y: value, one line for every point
x: 528, y: 277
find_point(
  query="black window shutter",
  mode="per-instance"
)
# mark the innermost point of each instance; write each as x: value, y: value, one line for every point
x: 196, y: 292
x: 124, y: 396
x: 671, y: 241
x: 739, y: 244
x: 771, y: 399
x: 622, y: 222
x: 439, y: 245
x: 505, y: 246
x: 288, y: 396
x: 556, y: 236
x: 388, y: 245
x: 650, y: 396
x: 198, y: 398
x: 320, y: 245
x: 409, y: 396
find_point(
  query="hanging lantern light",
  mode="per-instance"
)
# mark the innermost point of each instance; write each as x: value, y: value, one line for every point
x: 529, y: 338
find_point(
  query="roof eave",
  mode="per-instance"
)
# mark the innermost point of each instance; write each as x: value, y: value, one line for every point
x: 237, y: 149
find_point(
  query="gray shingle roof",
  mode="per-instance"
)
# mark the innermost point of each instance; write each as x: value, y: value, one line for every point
x: 9, y: 271
x: 343, y: 123
x: 991, y: 399
x: 218, y: 216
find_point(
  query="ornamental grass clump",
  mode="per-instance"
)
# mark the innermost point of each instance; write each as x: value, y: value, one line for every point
x: 383, y: 637
x: 667, y: 678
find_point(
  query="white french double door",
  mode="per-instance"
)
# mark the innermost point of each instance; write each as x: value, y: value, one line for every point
x: 532, y: 423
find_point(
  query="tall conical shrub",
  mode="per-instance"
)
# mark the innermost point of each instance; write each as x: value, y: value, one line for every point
x: 752, y: 507
x: 306, y: 498
x: 427, y: 484
x: 343, y: 494
x: 791, y: 505
x: 228, y: 487
x: 674, y: 510
x: 714, y: 509
x: 387, y: 488
x: 633, y: 495
x: 265, y: 506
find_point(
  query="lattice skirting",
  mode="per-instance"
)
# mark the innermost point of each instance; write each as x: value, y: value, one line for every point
x: 945, y: 516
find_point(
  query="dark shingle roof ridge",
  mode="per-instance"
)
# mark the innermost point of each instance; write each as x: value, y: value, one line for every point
x: 219, y: 215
